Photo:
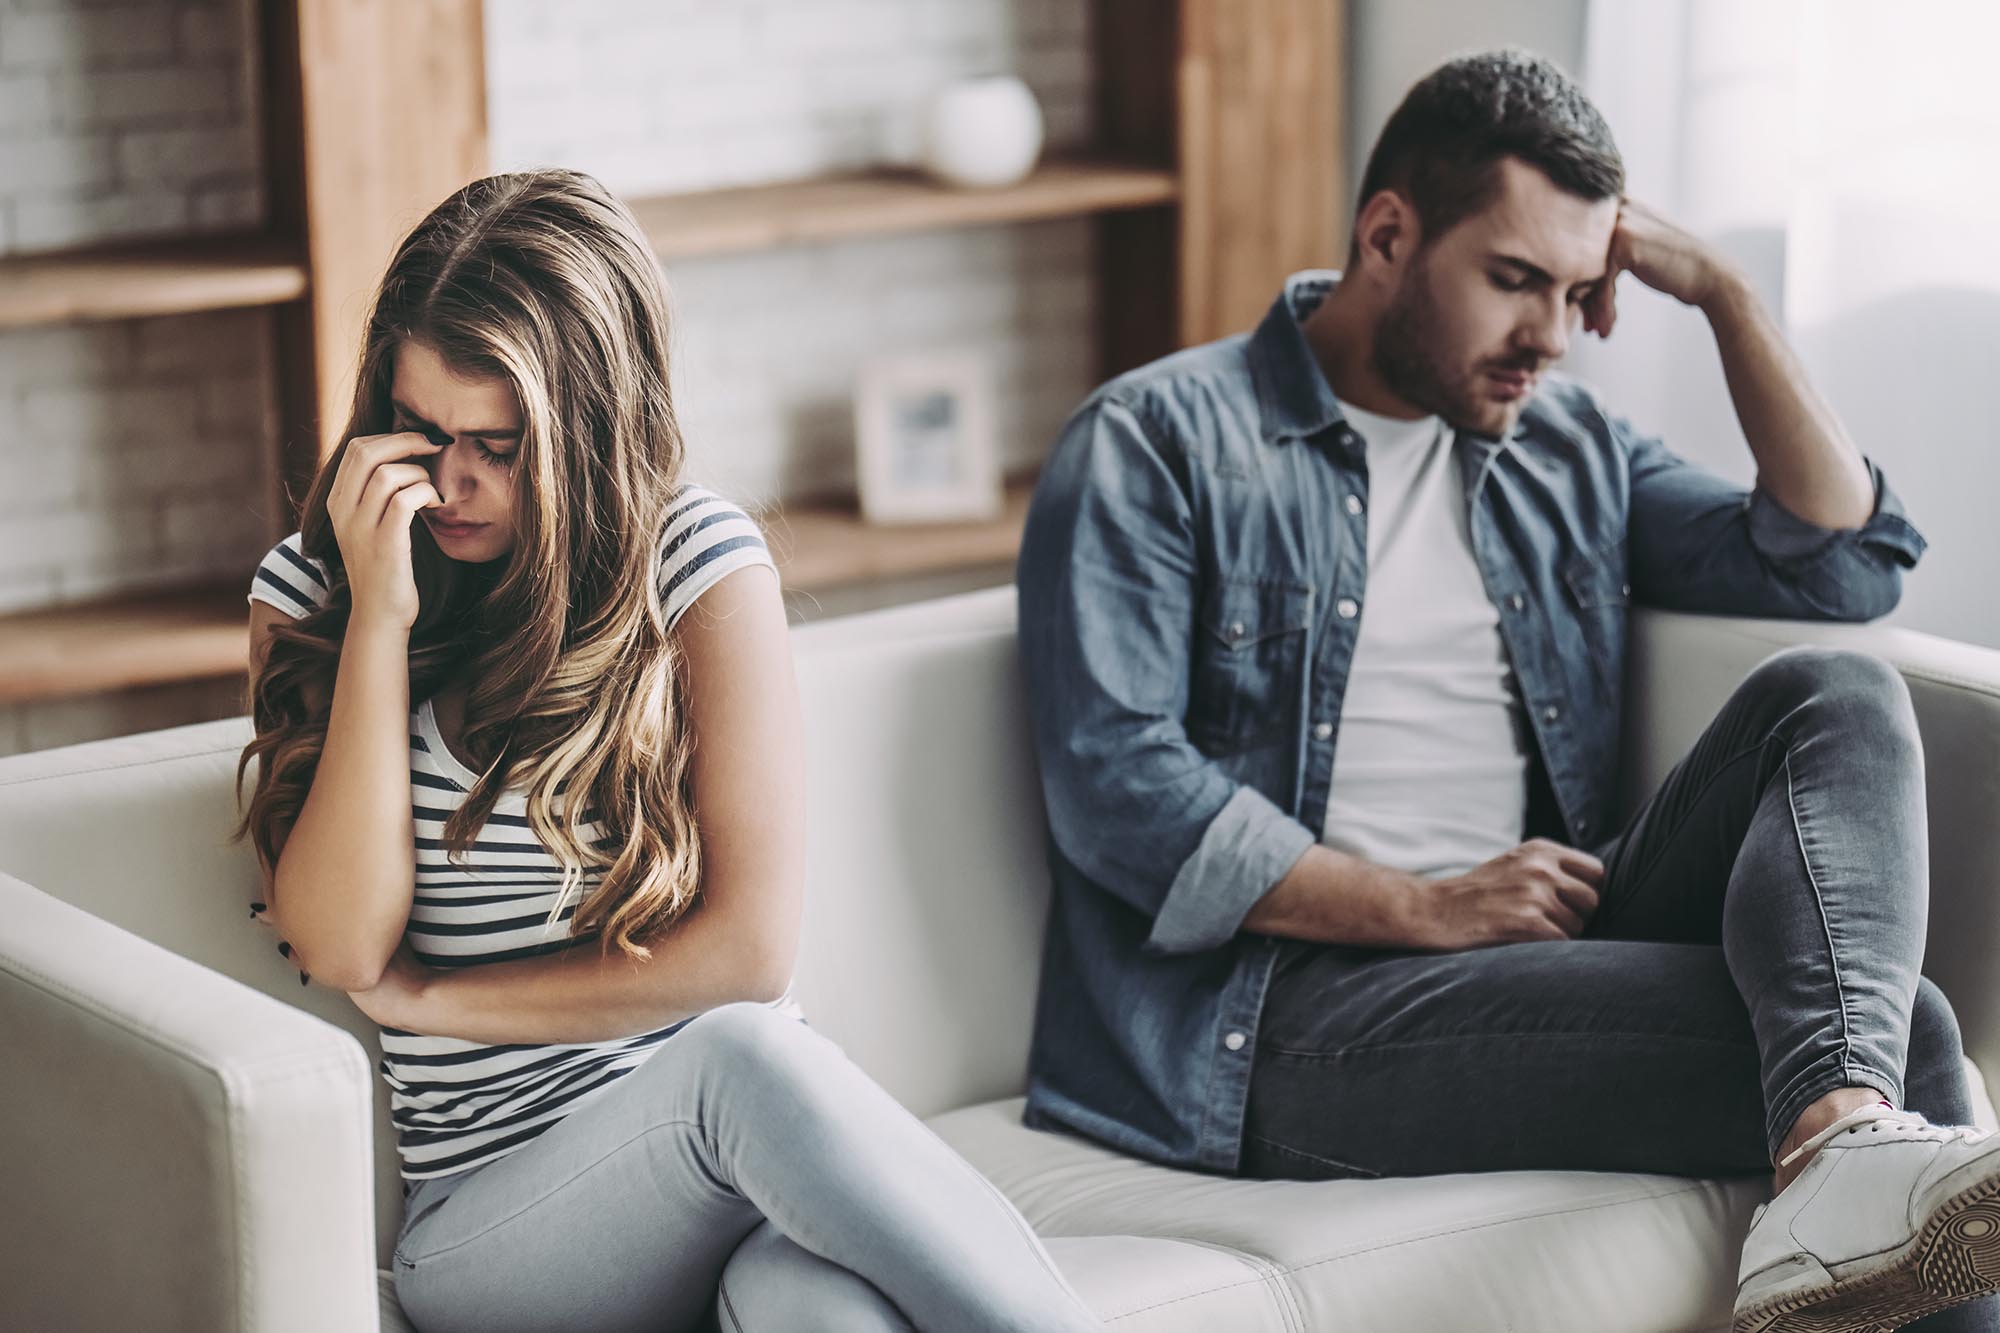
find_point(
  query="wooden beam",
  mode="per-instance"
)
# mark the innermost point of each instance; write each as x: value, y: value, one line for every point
x: 295, y: 368
x: 392, y: 119
x: 1135, y: 50
x: 1263, y: 175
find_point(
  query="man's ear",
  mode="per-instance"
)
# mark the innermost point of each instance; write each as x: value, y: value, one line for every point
x: 1386, y: 234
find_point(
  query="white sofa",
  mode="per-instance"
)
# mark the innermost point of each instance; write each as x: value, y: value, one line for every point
x: 190, y: 1140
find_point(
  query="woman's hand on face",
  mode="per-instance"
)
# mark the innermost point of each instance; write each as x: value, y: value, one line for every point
x: 372, y: 503
x: 397, y: 998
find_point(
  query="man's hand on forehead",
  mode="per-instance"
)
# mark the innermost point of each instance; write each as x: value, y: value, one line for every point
x: 1659, y: 254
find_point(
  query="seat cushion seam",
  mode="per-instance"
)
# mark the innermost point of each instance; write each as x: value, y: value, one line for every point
x: 1483, y: 1226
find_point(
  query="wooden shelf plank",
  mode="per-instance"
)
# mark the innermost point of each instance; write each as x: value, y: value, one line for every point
x: 149, y: 278
x: 829, y: 546
x: 153, y: 638
x: 831, y: 208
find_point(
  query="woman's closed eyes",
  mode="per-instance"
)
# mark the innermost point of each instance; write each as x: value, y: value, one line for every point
x: 440, y: 439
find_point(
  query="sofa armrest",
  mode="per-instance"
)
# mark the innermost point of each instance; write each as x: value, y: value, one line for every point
x: 177, y: 1150
x: 1683, y: 667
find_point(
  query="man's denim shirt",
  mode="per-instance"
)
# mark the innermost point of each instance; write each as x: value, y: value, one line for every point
x: 1191, y: 584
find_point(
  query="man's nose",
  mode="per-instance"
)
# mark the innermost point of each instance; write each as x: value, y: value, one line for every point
x: 1547, y: 335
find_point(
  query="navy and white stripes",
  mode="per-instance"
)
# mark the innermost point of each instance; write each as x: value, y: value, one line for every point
x: 457, y: 1104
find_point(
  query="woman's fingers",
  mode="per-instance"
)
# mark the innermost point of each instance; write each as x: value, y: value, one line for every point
x: 389, y: 479
x: 365, y: 454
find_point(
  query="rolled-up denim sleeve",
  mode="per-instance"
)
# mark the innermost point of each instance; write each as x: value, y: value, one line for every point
x: 1700, y: 543
x: 1108, y: 575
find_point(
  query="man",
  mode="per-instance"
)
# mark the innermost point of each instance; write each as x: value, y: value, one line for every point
x: 1323, y: 629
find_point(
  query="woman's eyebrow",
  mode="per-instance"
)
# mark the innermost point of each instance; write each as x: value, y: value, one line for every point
x: 510, y: 433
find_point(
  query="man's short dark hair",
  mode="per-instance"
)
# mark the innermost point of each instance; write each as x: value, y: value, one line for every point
x: 1443, y: 145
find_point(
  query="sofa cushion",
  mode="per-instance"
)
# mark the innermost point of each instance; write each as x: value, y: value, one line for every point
x: 1547, y: 1250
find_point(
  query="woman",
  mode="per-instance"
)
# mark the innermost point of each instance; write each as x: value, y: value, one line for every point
x: 609, y: 1114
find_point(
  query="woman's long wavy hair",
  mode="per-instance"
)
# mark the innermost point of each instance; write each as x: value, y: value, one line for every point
x: 544, y: 280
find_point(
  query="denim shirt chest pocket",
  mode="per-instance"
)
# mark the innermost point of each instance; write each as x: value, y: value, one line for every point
x: 1597, y: 585
x: 1248, y: 672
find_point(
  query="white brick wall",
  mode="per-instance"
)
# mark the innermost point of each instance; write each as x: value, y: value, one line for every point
x: 136, y: 453
x: 654, y: 96
x: 133, y: 454
x: 658, y: 96
x: 126, y: 119
x: 768, y: 346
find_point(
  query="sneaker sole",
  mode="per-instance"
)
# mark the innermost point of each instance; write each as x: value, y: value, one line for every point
x: 1954, y: 1258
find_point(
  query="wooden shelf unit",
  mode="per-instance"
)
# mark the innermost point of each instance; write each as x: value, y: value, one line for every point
x: 1217, y: 170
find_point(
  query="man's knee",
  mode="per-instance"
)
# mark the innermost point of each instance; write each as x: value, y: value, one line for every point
x: 1854, y: 688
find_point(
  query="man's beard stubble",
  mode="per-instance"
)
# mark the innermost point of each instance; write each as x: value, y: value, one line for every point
x: 1405, y: 351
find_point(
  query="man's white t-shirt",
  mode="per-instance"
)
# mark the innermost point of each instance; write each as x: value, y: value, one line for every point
x: 1430, y: 765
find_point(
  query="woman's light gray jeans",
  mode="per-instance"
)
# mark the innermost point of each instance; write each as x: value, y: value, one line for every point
x: 747, y: 1171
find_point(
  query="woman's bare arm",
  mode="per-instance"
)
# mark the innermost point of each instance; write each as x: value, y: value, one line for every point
x: 739, y: 942
x: 346, y: 874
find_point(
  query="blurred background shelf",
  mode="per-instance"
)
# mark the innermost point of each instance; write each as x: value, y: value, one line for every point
x: 1213, y: 167
x: 140, y: 639
x: 154, y: 278
x: 762, y: 217
x: 202, y: 632
x: 820, y: 548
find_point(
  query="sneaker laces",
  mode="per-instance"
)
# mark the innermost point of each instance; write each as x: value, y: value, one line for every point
x: 1877, y: 1116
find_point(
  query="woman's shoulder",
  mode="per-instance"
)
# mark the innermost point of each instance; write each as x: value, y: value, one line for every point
x: 290, y: 580
x: 706, y: 539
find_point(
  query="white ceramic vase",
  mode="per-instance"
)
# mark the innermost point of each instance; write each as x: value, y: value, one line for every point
x: 983, y: 132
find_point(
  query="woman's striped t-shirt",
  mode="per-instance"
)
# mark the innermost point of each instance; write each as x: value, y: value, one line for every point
x: 459, y: 1104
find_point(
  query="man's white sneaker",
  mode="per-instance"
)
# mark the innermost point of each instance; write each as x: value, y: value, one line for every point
x: 1892, y: 1219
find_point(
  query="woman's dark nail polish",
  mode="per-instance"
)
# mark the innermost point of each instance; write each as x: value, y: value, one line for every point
x: 285, y: 949
x: 302, y: 978
x: 256, y: 908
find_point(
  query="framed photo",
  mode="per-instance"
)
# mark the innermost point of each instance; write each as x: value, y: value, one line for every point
x: 923, y: 428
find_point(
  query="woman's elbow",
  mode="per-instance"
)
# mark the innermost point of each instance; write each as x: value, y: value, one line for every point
x: 339, y: 964
x: 766, y: 969
x: 766, y: 957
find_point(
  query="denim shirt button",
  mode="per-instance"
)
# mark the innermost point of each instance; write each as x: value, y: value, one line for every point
x: 1348, y: 608
x: 1353, y: 504
x: 1515, y: 602
x: 1551, y: 713
x: 1234, y: 1041
x: 1322, y: 731
x: 1235, y: 629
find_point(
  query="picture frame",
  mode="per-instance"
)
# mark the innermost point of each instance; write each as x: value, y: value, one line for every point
x: 924, y: 438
